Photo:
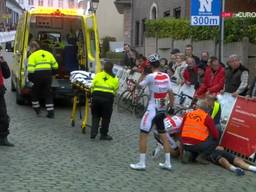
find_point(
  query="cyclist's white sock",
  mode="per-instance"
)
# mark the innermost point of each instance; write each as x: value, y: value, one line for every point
x: 167, y: 158
x: 142, y: 158
x: 252, y: 168
x: 232, y: 168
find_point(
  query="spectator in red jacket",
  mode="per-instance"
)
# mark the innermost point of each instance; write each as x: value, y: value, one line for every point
x: 142, y: 65
x: 190, y: 74
x: 214, y: 79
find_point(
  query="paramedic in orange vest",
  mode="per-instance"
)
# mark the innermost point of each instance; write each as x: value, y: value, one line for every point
x: 199, y: 134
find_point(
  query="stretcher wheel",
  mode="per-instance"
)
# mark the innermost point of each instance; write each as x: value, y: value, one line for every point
x: 83, y: 130
x: 73, y: 123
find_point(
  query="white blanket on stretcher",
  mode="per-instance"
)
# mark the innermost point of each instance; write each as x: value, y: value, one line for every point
x: 82, y: 77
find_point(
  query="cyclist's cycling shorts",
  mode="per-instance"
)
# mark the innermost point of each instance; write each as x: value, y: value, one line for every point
x: 152, y: 117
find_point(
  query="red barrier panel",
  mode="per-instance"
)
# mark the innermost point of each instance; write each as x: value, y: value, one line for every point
x: 240, y: 133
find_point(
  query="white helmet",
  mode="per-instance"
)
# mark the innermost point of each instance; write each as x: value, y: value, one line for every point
x: 153, y: 58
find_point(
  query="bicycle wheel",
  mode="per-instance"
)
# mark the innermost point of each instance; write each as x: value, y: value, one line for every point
x: 124, y: 102
x: 141, y: 105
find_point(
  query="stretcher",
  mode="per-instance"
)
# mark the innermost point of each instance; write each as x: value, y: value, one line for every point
x: 81, y: 82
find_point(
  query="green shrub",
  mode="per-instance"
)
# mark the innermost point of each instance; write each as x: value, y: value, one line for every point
x: 105, y: 45
x: 116, y: 58
x: 235, y: 29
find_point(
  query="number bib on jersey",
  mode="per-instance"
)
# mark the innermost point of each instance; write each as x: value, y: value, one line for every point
x: 172, y: 124
x: 161, y: 101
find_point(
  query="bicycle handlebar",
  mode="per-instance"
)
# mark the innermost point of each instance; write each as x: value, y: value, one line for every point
x: 181, y: 95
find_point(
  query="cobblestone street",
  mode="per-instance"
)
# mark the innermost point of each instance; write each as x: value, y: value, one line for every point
x: 50, y: 155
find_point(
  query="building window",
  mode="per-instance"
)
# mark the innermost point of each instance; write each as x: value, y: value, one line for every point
x: 167, y: 13
x: 71, y: 4
x: 143, y: 29
x: 50, y: 3
x: 31, y: 2
x: 153, y: 11
x: 60, y: 3
x: 177, y: 12
x: 137, y: 33
x: 40, y: 2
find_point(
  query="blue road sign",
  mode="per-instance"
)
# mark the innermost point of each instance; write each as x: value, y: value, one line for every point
x: 205, y: 12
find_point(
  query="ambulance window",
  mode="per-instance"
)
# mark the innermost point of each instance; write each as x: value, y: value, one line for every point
x: 20, y: 34
x: 93, y: 43
x: 51, y: 36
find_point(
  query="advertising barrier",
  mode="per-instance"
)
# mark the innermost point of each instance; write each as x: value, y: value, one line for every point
x: 227, y: 102
x: 7, y: 36
x: 240, y: 133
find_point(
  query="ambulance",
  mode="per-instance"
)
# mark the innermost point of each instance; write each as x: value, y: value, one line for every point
x: 71, y: 35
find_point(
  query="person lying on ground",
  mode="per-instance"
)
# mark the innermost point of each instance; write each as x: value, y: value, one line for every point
x: 230, y: 162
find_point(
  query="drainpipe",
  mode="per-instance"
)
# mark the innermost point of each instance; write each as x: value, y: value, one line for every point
x: 185, y: 8
x: 132, y: 18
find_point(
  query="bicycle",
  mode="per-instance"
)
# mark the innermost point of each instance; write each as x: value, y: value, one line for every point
x: 183, y: 106
x: 133, y: 100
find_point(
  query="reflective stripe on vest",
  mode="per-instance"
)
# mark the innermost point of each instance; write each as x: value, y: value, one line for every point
x: 216, y: 109
x: 103, y: 89
x: 194, y: 125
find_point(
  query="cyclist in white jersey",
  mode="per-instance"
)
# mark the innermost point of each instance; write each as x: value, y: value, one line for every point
x: 161, y: 98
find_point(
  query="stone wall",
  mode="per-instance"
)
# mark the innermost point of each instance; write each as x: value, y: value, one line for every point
x: 245, y: 50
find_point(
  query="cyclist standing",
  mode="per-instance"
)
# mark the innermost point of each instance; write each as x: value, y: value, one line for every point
x: 160, y: 92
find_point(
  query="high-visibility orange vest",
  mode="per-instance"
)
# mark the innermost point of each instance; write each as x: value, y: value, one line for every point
x: 194, y: 127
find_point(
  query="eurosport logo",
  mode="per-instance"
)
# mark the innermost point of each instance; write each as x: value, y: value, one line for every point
x: 239, y: 14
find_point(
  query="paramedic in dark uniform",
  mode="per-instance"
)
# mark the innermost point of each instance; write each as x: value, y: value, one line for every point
x: 41, y: 66
x: 104, y: 88
x: 4, y: 118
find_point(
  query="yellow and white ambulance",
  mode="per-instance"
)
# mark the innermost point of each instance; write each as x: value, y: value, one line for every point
x: 70, y: 34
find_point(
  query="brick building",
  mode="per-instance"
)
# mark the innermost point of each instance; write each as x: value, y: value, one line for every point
x: 233, y: 6
x: 136, y: 12
x: 10, y: 10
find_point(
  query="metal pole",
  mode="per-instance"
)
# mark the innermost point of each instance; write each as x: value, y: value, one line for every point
x: 221, y: 43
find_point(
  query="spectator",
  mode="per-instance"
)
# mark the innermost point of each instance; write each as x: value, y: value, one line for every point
x: 189, y: 53
x: 204, y: 59
x: 191, y: 73
x: 237, y: 77
x: 129, y: 56
x: 172, y: 60
x: 230, y: 162
x: 200, y: 73
x: 251, y: 93
x: 213, y: 79
x: 142, y: 64
x: 199, y: 134
x: 164, y: 67
x: 179, y: 68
